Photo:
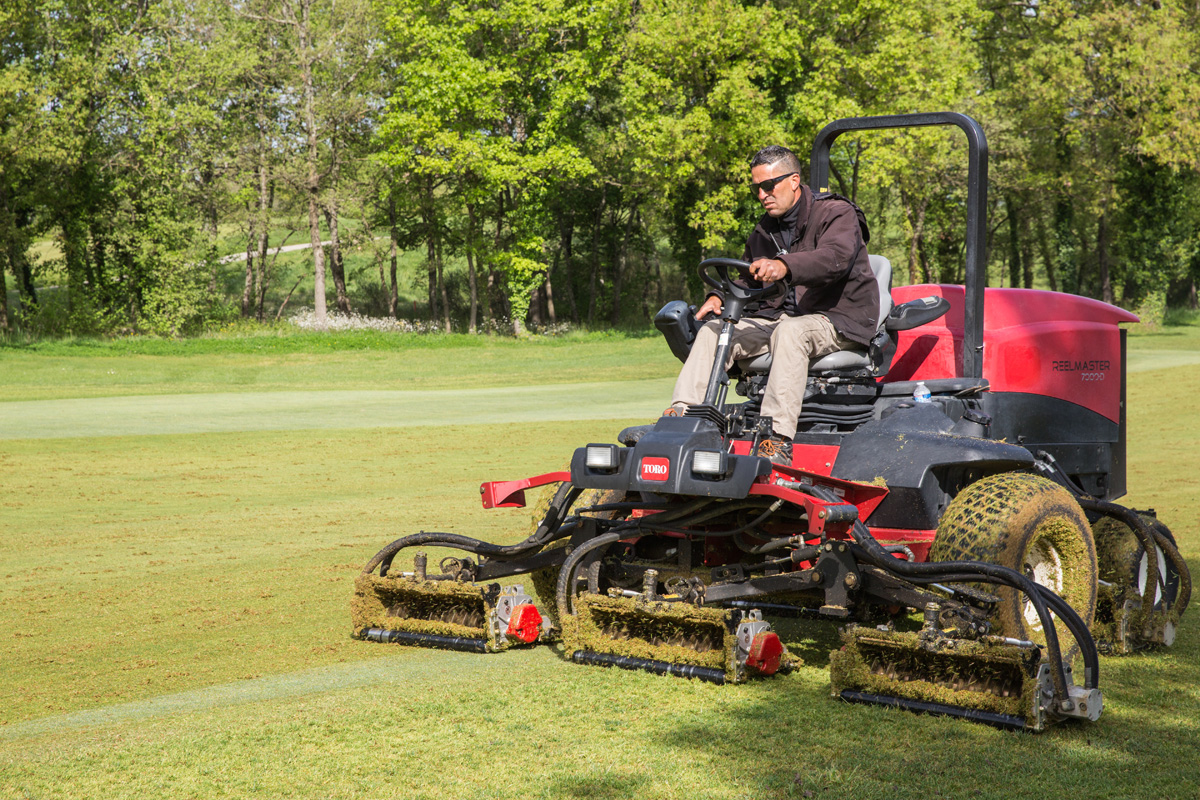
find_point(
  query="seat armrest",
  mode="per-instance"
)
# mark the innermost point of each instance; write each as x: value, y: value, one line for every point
x: 915, y: 313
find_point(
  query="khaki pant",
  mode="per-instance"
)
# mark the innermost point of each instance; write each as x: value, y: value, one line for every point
x: 792, y: 341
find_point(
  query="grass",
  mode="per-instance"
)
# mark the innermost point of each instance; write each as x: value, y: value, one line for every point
x: 283, y: 360
x: 174, y: 606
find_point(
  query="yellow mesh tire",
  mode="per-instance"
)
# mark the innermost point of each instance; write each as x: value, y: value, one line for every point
x: 1032, y: 525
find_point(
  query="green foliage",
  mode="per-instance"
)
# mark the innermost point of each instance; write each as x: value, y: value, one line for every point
x: 561, y: 159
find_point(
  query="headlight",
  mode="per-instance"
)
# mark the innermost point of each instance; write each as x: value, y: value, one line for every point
x: 602, y: 456
x: 709, y: 462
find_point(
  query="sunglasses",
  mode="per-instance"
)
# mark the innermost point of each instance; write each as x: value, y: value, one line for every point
x: 769, y: 184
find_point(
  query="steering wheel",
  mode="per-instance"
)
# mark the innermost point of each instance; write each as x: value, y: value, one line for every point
x: 736, y: 296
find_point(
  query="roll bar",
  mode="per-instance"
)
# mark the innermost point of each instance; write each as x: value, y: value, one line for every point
x: 977, y: 180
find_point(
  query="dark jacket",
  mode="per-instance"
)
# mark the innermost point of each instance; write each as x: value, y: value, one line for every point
x: 827, y: 263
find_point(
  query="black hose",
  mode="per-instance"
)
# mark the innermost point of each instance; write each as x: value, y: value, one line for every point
x: 1087, y: 645
x: 876, y: 555
x: 543, y: 535
x: 1148, y: 536
x: 681, y: 524
x: 567, y: 570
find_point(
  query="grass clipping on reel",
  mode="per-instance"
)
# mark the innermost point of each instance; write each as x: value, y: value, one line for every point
x: 895, y: 664
x: 658, y: 631
x: 440, y: 608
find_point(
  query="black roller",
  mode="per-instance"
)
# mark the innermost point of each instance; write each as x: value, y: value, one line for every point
x: 426, y: 640
x: 1006, y: 721
x: 657, y: 667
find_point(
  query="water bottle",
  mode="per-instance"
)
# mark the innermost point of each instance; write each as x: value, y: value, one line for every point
x: 921, y: 393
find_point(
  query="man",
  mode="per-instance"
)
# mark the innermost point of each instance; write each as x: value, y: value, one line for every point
x: 817, y: 245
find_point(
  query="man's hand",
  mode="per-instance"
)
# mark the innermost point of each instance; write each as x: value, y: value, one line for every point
x: 768, y: 270
x: 711, y: 306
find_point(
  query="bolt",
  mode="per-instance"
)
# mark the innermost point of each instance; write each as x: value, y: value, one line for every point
x: 649, y: 582
x: 841, y: 548
x: 814, y: 576
x: 419, y: 563
x: 822, y: 513
x: 851, y: 580
x: 932, y: 610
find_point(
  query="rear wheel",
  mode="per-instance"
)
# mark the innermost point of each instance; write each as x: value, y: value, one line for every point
x: 1031, y: 525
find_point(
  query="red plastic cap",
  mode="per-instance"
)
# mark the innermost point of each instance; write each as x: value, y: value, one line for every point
x: 766, y: 651
x: 526, y: 622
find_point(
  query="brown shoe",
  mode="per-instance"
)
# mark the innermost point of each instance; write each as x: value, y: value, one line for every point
x: 776, y: 450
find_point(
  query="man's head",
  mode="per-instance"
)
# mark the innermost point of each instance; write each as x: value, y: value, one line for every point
x: 775, y: 161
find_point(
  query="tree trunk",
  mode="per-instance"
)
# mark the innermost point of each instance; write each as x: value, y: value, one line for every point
x: 622, y: 266
x: 916, y: 262
x: 441, y: 279
x: 1026, y: 250
x: 335, y: 259
x: 497, y: 248
x: 1193, y: 301
x: 429, y: 225
x: 313, y: 177
x: 550, y: 294
x: 568, y: 234
x: 1106, y: 290
x: 393, y: 293
x: 248, y: 289
x: 488, y: 288
x: 1014, y: 243
x: 207, y: 176
x: 266, y: 198
x: 536, y: 303
x: 472, y: 279
x: 28, y: 292
x: 1085, y: 256
x: 591, y: 318
x: 4, y: 321
x: 1043, y: 238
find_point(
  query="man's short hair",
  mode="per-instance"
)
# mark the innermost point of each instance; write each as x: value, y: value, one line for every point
x: 773, y: 154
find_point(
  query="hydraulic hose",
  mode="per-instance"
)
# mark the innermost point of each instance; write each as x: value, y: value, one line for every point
x: 544, y: 534
x: 876, y: 555
x: 655, y: 522
x: 1087, y: 645
x: 567, y: 571
x: 1147, y: 535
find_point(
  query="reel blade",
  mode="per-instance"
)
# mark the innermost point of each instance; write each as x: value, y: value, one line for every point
x: 992, y: 682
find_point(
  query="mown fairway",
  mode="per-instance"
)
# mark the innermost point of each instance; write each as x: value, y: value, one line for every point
x: 174, y: 602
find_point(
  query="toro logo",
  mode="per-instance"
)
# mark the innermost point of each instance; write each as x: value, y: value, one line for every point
x: 655, y: 469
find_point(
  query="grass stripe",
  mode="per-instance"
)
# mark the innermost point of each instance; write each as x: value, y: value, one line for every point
x: 1148, y: 360
x: 417, y: 670
x: 301, y: 410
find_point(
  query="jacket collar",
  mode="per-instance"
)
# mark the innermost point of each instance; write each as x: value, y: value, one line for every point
x: 794, y: 219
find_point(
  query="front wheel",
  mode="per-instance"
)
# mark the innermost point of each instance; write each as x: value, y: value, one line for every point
x: 1029, y: 524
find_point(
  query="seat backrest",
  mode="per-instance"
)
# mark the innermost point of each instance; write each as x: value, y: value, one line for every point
x: 857, y: 358
x: 883, y: 277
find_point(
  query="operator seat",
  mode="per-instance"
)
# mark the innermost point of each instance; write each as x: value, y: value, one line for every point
x: 864, y: 362
x: 842, y: 386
